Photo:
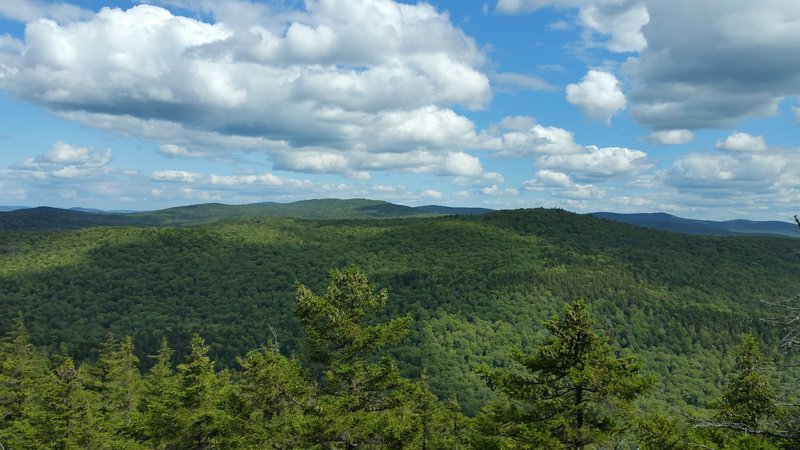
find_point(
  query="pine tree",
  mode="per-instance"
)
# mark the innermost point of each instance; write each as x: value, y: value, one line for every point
x: 204, y: 423
x: 749, y: 399
x: 24, y: 375
x: 364, y: 402
x: 748, y: 409
x: 158, y: 422
x: 117, y: 381
x: 272, y: 399
x: 572, y: 391
x: 73, y: 417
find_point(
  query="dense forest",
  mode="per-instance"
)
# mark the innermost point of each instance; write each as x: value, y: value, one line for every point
x: 219, y: 307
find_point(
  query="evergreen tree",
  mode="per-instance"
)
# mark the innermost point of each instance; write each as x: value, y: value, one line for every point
x: 573, y: 390
x: 272, y: 399
x: 119, y: 386
x: 158, y: 422
x: 204, y: 424
x: 748, y: 409
x: 73, y: 419
x: 364, y: 402
x: 749, y: 399
x: 24, y: 374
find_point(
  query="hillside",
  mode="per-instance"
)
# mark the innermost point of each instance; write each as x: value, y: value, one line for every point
x: 668, y: 222
x: 475, y: 285
x: 45, y: 218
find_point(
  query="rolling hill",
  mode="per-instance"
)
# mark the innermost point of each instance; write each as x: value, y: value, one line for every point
x: 475, y: 285
x: 668, y: 222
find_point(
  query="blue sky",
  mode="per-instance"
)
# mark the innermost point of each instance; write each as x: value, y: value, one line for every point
x: 596, y: 105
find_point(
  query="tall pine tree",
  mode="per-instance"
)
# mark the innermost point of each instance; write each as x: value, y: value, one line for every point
x: 572, y: 390
x: 364, y: 402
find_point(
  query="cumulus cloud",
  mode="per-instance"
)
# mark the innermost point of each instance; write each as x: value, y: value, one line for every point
x: 620, y: 20
x: 742, y: 142
x: 463, y: 164
x: 30, y: 10
x: 682, y: 82
x: 63, y: 160
x: 731, y: 172
x: 353, y: 81
x: 598, y: 95
x: 742, y: 177
x: 521, y: 136
x: 561, y: 185
x: 598, y: 163
x: 672, y: 137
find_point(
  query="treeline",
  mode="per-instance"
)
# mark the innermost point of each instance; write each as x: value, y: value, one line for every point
x: 344, y: 391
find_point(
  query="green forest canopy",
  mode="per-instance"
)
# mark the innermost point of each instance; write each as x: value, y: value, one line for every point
x: 475, y: 286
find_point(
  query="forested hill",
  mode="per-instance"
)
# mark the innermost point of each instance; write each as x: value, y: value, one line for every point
x: 54, y: 218
x: 668, y: 222
x: 476, y: 286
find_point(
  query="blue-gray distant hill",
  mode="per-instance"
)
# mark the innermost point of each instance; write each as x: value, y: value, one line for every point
x: 46, y: 218
x: 668, y: 222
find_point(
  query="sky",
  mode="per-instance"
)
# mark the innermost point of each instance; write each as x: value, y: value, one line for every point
x: 682, y: 106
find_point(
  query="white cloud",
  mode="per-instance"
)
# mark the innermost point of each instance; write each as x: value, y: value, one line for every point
x: 30, y: 10
x: 742, y: 142
x: 598, y: 95
x: 710, y: 64
x: 551, y: 178
x: 175, y: 175
x: 560, y: 184
x: 179, y: 151
x: 672, y: 137
x: 430, y: 193
x: 622, y: 21
x: 597, y: 162
x: 735, y: 176
x: 63, y: 160
x: 522, y: 136
x: 349, y: 81
x: 463, y: 164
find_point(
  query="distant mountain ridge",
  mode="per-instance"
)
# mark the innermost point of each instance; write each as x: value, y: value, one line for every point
x: 47, y: 218
x: 668, y: 222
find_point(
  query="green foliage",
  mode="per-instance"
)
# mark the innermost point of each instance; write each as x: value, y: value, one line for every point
x: 659, y: 431
x: 475, y: 286
x: 24, y: 376
x: 748, y: 412
x: 363, y: 402
x: 158, y: 423
x: 273, y: 400
x: 749, y: 399
x: 573, y: 388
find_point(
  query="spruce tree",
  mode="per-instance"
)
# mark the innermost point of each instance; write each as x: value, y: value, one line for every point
x: 158, y: 421
x: 571, y: 392
x: 24, y: 375
x: 364, y: 402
